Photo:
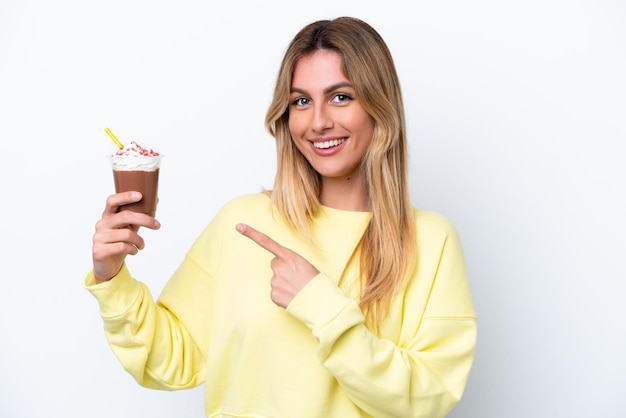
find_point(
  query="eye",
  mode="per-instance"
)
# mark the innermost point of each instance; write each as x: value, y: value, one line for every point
x: 341, y: 98
x: 300, y: 101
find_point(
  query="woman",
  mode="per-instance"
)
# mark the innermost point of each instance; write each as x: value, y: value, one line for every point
x: 328, y: 296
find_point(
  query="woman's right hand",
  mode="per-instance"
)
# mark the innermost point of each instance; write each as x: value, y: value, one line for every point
x: 116, y: 235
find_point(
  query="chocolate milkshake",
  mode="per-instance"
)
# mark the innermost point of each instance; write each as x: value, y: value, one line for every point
x: 136, y: 168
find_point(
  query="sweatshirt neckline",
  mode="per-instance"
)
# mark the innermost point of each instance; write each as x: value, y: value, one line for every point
x: 331, y: 210
x: 341, y: 217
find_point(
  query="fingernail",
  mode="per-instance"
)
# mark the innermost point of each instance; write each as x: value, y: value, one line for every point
x: 240, y: 228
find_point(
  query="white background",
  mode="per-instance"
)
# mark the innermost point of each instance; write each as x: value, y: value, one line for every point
x: 516, y: 117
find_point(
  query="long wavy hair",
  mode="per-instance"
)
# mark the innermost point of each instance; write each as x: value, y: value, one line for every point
x: 387, y: 250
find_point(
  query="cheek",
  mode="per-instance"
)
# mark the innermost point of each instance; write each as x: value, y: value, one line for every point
x: 357, y: 121
x: 296, y: 132
x: 295, y: 126
x: 365, y: 126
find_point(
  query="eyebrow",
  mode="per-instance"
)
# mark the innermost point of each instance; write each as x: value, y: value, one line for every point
x: 327, y: 89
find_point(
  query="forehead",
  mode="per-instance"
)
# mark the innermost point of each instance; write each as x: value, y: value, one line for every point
x: 319, y: 69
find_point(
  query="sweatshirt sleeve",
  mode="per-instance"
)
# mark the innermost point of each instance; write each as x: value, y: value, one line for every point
x: 149, y: 341
x: 423, y: 372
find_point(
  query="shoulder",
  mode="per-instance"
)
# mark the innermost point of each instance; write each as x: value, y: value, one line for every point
x: 435, y: 233
x: 441, y: 268
x: 255, y: 202
x: 255, y: 209
x: 245, y: 208
x: 432, y: 223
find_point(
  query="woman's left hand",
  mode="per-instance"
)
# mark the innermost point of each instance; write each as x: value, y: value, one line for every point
x: 291, y: 271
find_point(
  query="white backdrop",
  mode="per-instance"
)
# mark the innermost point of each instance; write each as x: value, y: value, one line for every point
x: 516, y: 114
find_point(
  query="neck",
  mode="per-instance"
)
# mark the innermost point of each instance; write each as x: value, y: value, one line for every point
x: 347, y: 193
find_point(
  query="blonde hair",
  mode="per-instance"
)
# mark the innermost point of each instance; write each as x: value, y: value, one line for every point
x: 387, y: 250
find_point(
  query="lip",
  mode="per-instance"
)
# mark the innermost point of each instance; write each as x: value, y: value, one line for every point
x: 325, y: 152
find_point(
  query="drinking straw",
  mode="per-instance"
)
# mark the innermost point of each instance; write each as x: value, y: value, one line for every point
x: 114, y: 138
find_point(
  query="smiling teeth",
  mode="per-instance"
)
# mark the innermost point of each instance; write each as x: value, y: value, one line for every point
x: 328, y: 144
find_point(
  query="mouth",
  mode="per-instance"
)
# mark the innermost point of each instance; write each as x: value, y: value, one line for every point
x: 329, y: 144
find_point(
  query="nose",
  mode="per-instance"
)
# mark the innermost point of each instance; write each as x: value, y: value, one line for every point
x: 322, y: 118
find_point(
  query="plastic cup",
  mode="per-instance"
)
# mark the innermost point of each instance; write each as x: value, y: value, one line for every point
x: 137, y: 173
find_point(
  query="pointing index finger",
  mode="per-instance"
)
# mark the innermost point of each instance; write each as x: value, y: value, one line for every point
x: 261, y: 239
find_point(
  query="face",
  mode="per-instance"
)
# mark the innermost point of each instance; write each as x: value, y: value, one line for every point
x: 327, y: 122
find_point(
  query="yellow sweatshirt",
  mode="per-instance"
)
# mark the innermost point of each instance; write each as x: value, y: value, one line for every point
x: 214, y: 323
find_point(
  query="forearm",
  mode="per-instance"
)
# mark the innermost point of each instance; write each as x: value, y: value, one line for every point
x: 387, y: 380
x: 422, y: 376
x: 147, y: 339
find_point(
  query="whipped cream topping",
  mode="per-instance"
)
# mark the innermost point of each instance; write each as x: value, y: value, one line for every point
x: 137, y: 149
x: 136, y: 156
